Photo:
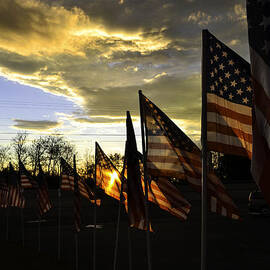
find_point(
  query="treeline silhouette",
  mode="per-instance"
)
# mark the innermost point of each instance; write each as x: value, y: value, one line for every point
x: 47, y: 150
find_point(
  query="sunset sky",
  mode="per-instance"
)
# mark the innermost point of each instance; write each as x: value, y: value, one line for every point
x: 75, y: 66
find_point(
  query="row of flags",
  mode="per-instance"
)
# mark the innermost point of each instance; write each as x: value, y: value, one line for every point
x: 170, y: 153
x: 237, y: 122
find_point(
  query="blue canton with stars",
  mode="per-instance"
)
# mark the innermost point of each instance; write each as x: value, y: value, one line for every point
x: 228, y: 74
x: 258, y: 15
x: 159, y: 124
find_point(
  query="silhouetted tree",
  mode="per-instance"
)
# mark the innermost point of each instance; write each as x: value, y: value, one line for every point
x: 19, y: 146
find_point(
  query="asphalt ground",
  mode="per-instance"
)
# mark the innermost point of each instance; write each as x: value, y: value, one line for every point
x: 174, y: 244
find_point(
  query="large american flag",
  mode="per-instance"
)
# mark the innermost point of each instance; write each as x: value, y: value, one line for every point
x: 108, y: 177
x: 15, y: 191
x: 44, y: 202
x: 258, y: 17
x: 27, y: 180
x: 229, y: 98
x: 166, y: 143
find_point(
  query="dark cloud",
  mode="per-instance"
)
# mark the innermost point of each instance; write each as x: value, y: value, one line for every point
x: 35, y: 125
x: 18, y: 63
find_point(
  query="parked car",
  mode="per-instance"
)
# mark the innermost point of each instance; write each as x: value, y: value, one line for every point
x: 257, y: 204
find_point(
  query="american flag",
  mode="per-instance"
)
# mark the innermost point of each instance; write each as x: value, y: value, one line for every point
x: 258, y: 17
x: 135, y: 194
x: 164, y: 194
x: 229, y: 98
x: 165, y: 141
x: 3, y: 192
x: 15, y: 191
x: 27, y: 180
x: 108, y: 177
x: 44, y: 203
x: 67, y: 183
x: 67, y: 176
x: 86, y: 191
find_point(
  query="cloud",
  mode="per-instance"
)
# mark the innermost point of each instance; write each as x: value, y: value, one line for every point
x: 202, y: 18
x: 100, y: 53
x: 35, y: 125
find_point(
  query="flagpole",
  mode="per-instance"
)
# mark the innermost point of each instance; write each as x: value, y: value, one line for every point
x: 76, y: 232
x: 59, y: 220
x: 7, y: 223
x: 204, y: 157
x: 22, y: 222
x: 117, y: 234
x: 145, y: 185
x: 129, y: 250
x: 39, y: 219
x: 118, y: 216
x: 76, y: 251
x: 95, y: 211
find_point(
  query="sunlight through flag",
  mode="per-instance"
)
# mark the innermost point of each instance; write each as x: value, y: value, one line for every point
x: 107, y: 176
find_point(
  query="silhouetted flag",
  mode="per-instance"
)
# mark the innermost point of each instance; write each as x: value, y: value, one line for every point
x: 135, y: 195
x: 258, y: 17
x: 108, y: 177
x: 44, y: 203
x: 67, y: 183
x: 77, y: 199
x: 27, y: 180
x: 67, y: 176
x: 229, y: 99
x: 15, y: 192
x: 165, y: 141
x: 3, y: 191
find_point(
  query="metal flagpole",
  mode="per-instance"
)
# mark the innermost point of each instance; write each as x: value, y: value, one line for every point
x: 7, y: 223
x: 39, y: 234
x: 76, y: 232
x: 21, y: 209
x: 204, y: 156
x: 145, y: 185
x: 22, y: 222
x: 117, y: 234
x: 76, y: 251
x: 129, y: 250
x: 59, y: 220
x: 119, y: 215
x: 95, y: 211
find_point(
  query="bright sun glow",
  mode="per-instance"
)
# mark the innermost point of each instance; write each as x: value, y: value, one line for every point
x: 114, y: 177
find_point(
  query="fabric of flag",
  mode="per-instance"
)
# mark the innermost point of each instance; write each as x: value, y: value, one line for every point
x: 44, y: 202
x: 27, y: 180
x: 67, y: 183
x: 15, y: 191
x: 108, y: 177
x: 229, y: 98
x: 87, y: 192
x: 164, y: 194
x: 76, y: 200
x: 258, y: 17
x: 67, y: 176
x: 3, y: 192
x: 135, y: 195
x: 163, y: 135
